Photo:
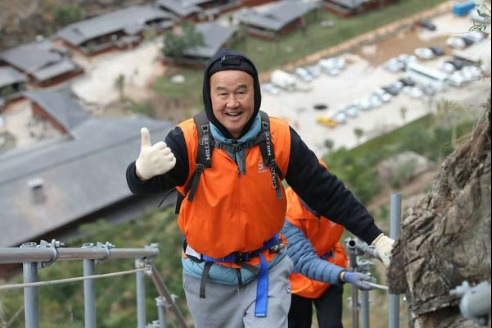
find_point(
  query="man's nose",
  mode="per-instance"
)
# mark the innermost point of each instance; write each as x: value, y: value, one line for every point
x: 232, y: 101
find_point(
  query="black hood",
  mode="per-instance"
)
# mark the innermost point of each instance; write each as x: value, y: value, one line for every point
x: 229, y: 59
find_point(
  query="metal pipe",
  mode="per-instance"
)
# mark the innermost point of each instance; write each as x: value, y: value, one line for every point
x: 364, y: 309
x: 352, y: 262
x: 161, y: 288
x: 30, y: 274
x: 89, y: 291
x: 20, y: 255
x: 141, y: 315
x: 160, y: 302
x: 395, y: 227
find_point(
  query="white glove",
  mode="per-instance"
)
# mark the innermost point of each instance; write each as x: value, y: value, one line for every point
x: 384, y: 246
x: 153, y: 160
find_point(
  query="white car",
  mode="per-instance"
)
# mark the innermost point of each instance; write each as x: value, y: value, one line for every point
x: 303, y: 74
x: 394, y: 65
x: 313, y: 70
x: 472, y: 73
x: 406, y: 58
x: 424, y: 53
x: 270, y: 88
x: 351, y: 110
x: 332, y: 65
x: 339, y: 117
x: 456, y: 42
x: 413, y: 92
x: 475, y: 36
x: 383, y: 95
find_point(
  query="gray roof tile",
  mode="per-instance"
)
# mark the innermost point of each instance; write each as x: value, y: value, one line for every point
x: 89, y: 29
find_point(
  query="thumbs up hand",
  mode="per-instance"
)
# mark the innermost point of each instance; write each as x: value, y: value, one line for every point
x: 153, y: 159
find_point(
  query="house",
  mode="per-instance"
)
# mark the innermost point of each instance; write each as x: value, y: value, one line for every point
x: 117, y: 30
x: 215, y: 36
x: 48, y: 189
x: 277, y: 19
x: 42, y: 63
x: 347, y: 8
x: 60, y: 108
x: 182, y: 10
x: 12, y: 84
x: 198, y: 10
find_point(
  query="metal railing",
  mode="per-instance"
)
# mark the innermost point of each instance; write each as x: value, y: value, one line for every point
x: 356, y: 249
x: 34, y: 257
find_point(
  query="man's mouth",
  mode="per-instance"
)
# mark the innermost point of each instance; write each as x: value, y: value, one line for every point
x: 234, y: 115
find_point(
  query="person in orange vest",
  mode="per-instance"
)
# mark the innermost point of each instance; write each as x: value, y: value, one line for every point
x: 235, y: 267
x: 320, y: 263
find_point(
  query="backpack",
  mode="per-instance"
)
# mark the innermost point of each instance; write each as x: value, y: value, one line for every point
x: 206, y: 145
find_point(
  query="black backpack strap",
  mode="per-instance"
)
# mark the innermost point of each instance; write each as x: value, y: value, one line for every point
x: 203, y: 155
x: 268, y: 154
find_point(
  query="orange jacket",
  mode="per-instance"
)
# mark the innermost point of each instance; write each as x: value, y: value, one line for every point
x: 323, y: 234
x: 233, y: 212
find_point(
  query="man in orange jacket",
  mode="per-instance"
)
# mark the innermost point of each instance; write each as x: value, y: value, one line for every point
x: 235, y: 268
x: 319, y: 266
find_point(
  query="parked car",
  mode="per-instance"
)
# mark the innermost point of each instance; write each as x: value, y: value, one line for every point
x: 383, y: 95
x: 407, y: 82
x: 370, y: 102
x: 424, y: 53
x: 413, y: 92
x: 472, y: 73
x: 394, y: 88
x: 314, y: 70
x: 456, y: 42
x: 475, y: 35
x: 332, y: 65
x: 427, y: 25
x: 428, y: 90
x: 303, y: 74
x: 351, y: 110
x: 468, y: 41
x: 326, y: 121
x: 480, y: 19
x: 394, y: 65
x: 405, y: 59
x: 270, y: 88
x: 437, y: 51
x: 340, y: 118
x: 452, y: 65
x: 458, y: 79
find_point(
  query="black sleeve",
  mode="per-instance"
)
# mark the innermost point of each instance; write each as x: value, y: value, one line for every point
x: 325, y: 193
x: 176, y: 177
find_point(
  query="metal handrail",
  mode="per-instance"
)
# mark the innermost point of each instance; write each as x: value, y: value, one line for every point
x: 34, y: 257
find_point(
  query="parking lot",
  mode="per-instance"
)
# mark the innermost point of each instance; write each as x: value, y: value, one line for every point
x: 360, y: 78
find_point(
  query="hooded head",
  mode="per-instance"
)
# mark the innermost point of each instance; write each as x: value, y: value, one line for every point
x: 229, y: 59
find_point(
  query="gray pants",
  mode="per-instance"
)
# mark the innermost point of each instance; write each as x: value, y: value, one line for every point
x: 234, y: 307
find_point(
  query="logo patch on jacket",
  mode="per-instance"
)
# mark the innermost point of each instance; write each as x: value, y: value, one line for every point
x: 262, y: 168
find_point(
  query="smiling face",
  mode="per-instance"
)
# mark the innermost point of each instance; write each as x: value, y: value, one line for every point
x: 232, y: 95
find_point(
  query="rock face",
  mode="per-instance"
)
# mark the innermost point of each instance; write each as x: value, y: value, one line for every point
x: 445, y: 238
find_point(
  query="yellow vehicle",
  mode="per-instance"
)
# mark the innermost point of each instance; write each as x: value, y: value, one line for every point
x: 326, y: 121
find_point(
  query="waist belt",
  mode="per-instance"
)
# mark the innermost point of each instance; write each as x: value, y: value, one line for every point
x: 274, y: 245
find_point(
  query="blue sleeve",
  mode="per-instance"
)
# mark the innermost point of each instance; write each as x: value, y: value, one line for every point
x: 306, y: 261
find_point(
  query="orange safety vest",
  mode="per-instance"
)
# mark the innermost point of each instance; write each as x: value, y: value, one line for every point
x: 324, y: 235
x: 232, y: 212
